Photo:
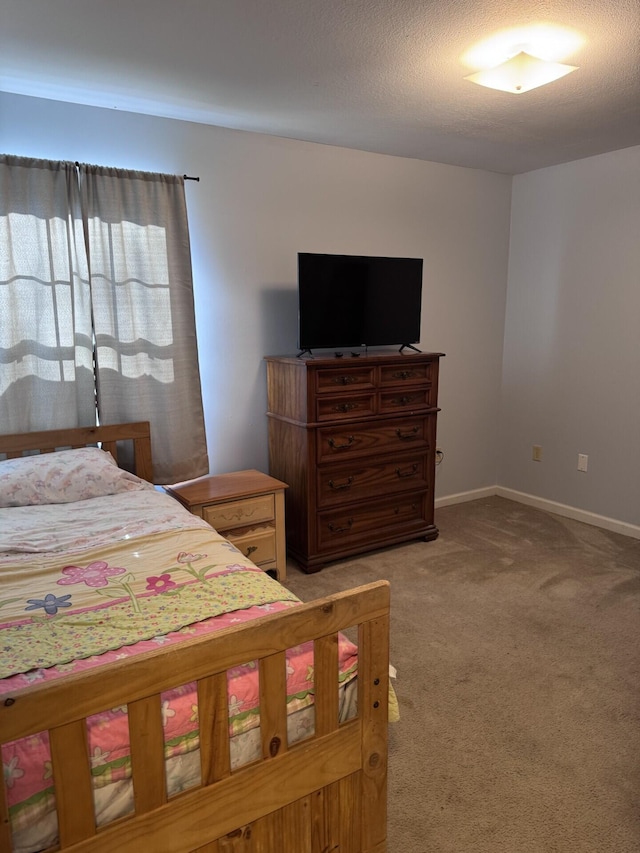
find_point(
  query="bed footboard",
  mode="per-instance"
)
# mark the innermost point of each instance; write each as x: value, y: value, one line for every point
x: 326, y: 793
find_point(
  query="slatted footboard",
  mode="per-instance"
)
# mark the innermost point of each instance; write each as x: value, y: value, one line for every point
x: 324, y: 794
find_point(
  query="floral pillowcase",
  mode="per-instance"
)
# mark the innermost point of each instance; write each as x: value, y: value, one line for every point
x: 63, y: 477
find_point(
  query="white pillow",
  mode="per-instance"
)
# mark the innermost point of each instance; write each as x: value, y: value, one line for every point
x: 63, y: 477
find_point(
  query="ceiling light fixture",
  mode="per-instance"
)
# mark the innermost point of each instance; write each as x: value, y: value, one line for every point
x: 521, y: 73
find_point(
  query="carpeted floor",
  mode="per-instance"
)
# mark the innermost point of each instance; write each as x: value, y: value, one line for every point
x: 516, y: 636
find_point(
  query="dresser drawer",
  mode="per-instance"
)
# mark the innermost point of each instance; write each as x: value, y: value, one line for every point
x: 370, y: 478
x: 402, y: 515
x: 400, y: 374
x: 347, y: 406
x: 340, y: 442
x: 329, y: 381
x: 258, y: 544
x: 406, y: 399
x: 240, y: 513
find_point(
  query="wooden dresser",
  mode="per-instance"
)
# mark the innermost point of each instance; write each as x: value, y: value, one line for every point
x: 354, y: 439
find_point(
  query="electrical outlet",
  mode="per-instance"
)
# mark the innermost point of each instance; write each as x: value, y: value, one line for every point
x: 583, y: 461
x: 537, y: 453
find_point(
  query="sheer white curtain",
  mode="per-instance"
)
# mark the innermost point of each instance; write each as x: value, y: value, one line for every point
x: 46, y: 345
x: 143, y: 313
x: 128, y: 313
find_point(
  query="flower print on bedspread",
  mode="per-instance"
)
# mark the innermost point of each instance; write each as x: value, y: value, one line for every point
x: 161, y: 584
x: 50, y: 603
x: 96, y: 574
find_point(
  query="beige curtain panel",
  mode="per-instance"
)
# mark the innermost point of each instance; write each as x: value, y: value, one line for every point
x: 96, y: 306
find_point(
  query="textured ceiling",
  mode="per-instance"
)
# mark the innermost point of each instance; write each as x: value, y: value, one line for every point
x: 377, y: 75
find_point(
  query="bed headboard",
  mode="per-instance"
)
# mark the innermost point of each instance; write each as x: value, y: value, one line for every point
x: 107, y: 436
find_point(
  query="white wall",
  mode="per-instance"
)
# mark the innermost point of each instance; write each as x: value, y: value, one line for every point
x: 262, y: 199
x: 571, y: 378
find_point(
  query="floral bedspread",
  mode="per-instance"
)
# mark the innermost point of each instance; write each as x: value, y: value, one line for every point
x: 67, y: 610
x: 68, y: 606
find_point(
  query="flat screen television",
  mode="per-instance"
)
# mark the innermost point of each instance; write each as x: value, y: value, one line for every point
x: 358, y: 301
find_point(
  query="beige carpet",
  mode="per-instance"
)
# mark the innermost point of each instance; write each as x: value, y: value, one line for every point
x: 516, y: 636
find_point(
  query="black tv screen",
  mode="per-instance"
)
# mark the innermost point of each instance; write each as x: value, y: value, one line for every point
x: 358, y: 301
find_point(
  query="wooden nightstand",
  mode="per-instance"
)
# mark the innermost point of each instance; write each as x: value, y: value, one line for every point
x: 247, y: 508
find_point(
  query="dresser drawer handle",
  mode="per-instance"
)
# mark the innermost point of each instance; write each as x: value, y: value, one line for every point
x: 349, y: 442
x: 396, y: 510
x: 409, y: 473
x: 402, y: 401
x: 345, y: 407
x: 344, y: 380
x: 250, y: 550
x: 335, y: 529
x: 407, y: 436
x: 337, y: 486
x: 403, y: 374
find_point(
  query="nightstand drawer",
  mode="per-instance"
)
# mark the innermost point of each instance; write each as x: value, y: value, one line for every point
x: 247, y: 507
x: 240, y: 513
x: 258, y: 544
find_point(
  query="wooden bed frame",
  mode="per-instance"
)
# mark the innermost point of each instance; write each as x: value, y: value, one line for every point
x: 326, y: 794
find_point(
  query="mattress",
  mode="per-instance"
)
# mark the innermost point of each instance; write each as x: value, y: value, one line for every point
x: 97, y: 580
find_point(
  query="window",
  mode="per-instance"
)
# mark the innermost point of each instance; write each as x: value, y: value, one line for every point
x: 96, y: 306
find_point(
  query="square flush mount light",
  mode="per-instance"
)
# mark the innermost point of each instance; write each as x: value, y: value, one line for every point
x: 521, y: 73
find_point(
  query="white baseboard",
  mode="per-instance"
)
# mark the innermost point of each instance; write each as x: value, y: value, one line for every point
x: 576, y: 514
x: 463, y: 497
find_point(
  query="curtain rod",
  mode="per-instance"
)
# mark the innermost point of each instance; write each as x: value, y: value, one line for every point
x: 185, y: 177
